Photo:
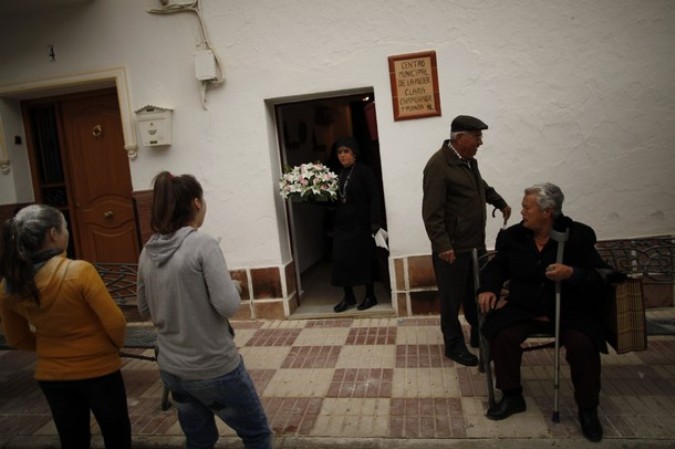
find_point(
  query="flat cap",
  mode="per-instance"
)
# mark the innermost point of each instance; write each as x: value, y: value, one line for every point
x: 467, y: 123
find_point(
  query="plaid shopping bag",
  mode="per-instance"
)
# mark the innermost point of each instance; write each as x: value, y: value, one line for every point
x: 625, y: 322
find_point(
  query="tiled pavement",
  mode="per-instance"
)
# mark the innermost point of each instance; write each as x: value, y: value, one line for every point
x: 377, y: 382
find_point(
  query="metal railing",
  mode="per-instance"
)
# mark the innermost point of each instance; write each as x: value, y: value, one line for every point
x: 652, y: 258
x: 120, y: 279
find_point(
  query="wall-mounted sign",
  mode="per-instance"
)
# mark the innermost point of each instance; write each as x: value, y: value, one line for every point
x: 414, y: 85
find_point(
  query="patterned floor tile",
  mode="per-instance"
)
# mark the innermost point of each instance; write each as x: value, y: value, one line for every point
x: 434, y: 322
x: 48, y: 428
x: 155, y: 424
x: 421, y: 356
x: 243, y: 336
x: 261, y: 378
x: 374, y: 322
x: 138, y: 382
x: 356, y: 417
x: 142, y: 406
x: 282, y: 324
x: 418, y: 335
x: 25, y: 399
x: 274, y: 337
x: 380, y: 377
x: 292, y: 415
x: 425, y: 383
x: 371, y: 336
x: 661, y: 352
x: 470, y: 382
x: 637, y: 379
x: 24, y: 424
x: 306, y: 382
x: 264, y: 357
x: 367, y: 356
x: 322, y: 336
x: 361, y: 383
x: 328, y: 323
x: 240, y: 325
x: 427, y: 418
x: 312, y: 357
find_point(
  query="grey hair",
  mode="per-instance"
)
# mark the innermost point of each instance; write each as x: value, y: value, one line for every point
x: 455, y: 134
x: 32, y: 223
x: 548, y: 196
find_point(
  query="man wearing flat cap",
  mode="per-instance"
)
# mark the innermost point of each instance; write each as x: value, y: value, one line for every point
x: 454, y: 213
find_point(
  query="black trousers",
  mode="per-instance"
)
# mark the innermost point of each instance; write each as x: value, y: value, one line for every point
x: 456, y: 289
x: 71, y: 402
x: 581, y: 354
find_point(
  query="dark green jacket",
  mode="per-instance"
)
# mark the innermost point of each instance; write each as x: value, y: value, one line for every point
x: 453, y: 207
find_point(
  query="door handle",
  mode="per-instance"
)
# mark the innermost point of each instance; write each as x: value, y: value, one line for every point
x: 108, y: 214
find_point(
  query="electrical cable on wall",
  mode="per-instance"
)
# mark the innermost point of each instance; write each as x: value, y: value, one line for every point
x: 218, y: 75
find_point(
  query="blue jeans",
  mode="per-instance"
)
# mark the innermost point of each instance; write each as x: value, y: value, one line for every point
x: 231, y: 397
x: 71, y: 402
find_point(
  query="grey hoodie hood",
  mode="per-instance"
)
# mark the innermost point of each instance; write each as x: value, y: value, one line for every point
x: 161, y: 247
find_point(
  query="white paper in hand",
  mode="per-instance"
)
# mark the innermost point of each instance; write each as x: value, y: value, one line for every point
x: 381, y: 237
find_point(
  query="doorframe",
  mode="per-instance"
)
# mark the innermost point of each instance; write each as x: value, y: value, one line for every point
x: 83, y: 82
x: 282, y: 153
x: 114, y: 77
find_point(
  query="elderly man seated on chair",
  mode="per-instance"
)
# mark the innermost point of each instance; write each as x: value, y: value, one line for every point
x: 526, y: 257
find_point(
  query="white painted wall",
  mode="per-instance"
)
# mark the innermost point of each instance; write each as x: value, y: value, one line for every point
x: 575, y: 92
x: 17, y: 188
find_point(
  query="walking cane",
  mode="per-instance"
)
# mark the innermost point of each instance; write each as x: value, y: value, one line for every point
x: 484, y: 346
x: 561, y: 238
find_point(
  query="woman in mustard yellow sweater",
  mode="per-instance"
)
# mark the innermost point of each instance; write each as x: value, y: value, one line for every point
x: 61, y: 309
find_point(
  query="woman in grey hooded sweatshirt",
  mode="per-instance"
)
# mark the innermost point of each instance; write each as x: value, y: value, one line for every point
x: 185, y: 287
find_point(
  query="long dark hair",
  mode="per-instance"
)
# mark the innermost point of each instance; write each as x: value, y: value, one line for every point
x: 21, y: 239
x: 172, y: 201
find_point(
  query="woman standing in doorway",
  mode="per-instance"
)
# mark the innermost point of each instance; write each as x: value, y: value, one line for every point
x: 60, y: 308
x: 185, y: 287
x: 356, y: 220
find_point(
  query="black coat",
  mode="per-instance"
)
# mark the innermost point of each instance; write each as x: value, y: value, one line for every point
x: 353, y: 244
x: 531, y: 294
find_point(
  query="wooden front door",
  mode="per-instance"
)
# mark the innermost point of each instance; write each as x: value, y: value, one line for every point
x: 97, y: 183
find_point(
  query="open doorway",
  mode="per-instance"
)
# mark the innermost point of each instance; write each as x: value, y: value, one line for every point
x: 306, y: 132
